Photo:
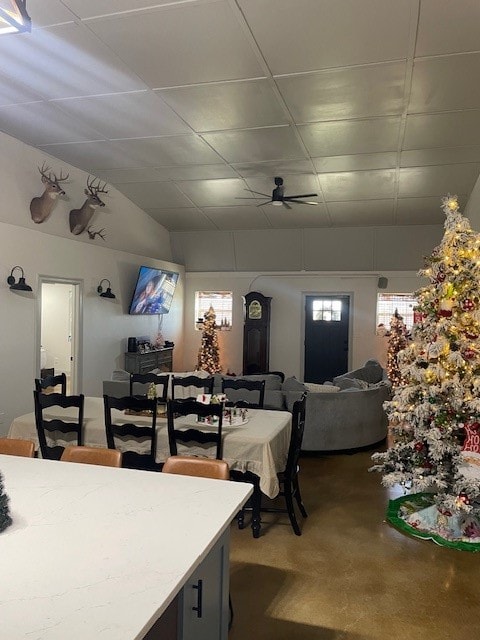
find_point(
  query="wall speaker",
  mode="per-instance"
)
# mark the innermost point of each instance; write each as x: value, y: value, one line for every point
x: 382, y: 283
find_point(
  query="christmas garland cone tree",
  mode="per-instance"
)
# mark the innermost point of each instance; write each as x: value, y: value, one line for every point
x: 396, y: 343
x: 435, y: 412
x: 209, y: 353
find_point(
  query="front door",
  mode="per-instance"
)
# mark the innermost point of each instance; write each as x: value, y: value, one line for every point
x: 326, y: 337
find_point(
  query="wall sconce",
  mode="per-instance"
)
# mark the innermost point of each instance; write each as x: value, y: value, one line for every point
x: 21, y: 285
x: 105, y: 294
x: 14, y: 17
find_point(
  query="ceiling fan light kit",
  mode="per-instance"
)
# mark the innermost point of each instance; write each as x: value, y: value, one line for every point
x: 279, y: 198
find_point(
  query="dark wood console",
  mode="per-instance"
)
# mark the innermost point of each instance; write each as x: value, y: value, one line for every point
x: 136, y: 362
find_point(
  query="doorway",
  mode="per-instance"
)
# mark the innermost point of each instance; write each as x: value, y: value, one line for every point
x: 58, y: 336
x: 327, y: 320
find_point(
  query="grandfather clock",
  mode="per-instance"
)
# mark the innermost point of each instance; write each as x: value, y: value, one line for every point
x: 256, y: 333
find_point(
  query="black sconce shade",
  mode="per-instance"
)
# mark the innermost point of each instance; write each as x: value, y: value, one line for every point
x: 21, y: 285
x: 105, y: 294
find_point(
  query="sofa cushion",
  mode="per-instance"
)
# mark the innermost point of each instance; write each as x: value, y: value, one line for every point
x: 274, y: 400
x: 120, y: 374
x: 321, y: 388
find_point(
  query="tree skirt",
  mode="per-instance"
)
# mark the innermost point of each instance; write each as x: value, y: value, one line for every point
x: 418, y: 516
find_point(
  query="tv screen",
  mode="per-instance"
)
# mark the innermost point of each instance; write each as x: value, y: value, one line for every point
x: 153, y: 292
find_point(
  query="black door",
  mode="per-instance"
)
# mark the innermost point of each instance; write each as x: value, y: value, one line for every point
x: 326, y: 337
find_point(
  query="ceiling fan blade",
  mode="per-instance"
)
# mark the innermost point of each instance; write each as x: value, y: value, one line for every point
x: 247, y: 198
x: 303, y: 202
x: 303, y: 195
x: 285, y: 204
x: 267, y: 195
x: 264, y: 203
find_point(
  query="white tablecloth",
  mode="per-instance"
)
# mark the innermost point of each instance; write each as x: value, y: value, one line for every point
x: 259, y: 446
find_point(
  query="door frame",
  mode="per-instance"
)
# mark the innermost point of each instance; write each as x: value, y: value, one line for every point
x: 348, y: 294
x: 77, y: 368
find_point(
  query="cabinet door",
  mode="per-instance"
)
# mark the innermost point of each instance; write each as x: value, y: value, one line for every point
x: 204, y: 611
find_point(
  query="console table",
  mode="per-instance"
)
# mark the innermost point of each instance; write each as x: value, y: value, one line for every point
x: 97, y: 552
x: 137, y: 362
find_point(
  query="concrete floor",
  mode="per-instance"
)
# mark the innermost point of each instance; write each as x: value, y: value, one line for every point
x: 350, y: 576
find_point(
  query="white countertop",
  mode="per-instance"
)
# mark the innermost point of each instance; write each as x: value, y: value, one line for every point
x: 99, y: 553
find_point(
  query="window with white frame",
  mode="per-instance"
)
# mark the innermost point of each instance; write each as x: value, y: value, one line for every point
x: 387, y: 303
x: 222, y: 303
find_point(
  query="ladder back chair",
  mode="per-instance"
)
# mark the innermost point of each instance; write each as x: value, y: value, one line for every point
x: 288, y: 479
x: 182, y: 385
x: 16, y: 447
x: 93, y: 455
x: 206, y: 435
x: 50, y: 382
x: 160, y: 382
x: 70, y: 423
x: 244, y: 393
x: 123, y: 432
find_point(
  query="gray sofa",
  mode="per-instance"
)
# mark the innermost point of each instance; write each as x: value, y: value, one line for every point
x: 350, y: 417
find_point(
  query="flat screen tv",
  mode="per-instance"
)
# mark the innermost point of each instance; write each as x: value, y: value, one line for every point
x: 153, y: 292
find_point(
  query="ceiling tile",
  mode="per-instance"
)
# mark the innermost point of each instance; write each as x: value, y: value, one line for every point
x: 167, y: 151
x: 112, y: 115
x: 438, y: 180
x: 154, y: 195
x: 269, y: 250
x: 358, y: 185
x: 316, y: 34
x: 90, y: 155
x: 14, y: 92
x: 231, y: 105
x: 325, y: 249
x: 207, y: 41
x: 351, y: 137
x: 442, y: 130
x: 273, y: 168
x: 361, y: 213
x: 256, y: 144
x: 423, y: 210
x: 65, y: 61
x: 197, y: 172
x: 48, y: 12
x: 210, y: 193
x: 358, y: 162
x: 181, y: 219
x: 298, y: 217
x: 456, y: 155
x: 445, y: 84
x: 229, y: 218
x: 447, y: 27
x: 124, y: 176
x: 92, y: 8
x: 337, y: 94
x: 43, y: 123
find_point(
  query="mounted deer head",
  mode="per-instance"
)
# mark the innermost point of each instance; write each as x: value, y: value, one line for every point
x: 41, y: 207
x: 80, y: 218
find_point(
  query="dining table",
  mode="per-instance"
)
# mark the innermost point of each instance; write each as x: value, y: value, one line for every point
x: 255, y: 449
x: 118, y: 554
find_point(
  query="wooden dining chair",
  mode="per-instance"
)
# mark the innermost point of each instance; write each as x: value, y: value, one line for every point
x: 244, y: 393
x: 160, y: 382
x: 50, y: 382
x: 92, y: 455
x: 205, y: 436
x: 69, y: 426
x: 288, y: 478
x: 200, y: 385
x: 16, y: 447
x: 126, y: 435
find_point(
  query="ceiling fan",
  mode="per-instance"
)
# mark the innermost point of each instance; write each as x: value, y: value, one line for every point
x: 279, y: 198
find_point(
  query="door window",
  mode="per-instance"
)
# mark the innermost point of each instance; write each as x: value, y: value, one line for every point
x: 329, y: 310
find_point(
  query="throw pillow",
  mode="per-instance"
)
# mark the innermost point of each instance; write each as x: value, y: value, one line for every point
x: 321, y: 388
x: 292, y: 384
x: 120, y: 374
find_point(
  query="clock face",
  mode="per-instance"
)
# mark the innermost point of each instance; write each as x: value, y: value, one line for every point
x: 255, y: 310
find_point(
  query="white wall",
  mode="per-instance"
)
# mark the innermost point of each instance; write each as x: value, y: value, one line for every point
x: 472, y: 209
x: 287, y: 313
x: 50, y: 250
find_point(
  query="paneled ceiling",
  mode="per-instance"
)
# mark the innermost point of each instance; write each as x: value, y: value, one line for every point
x: 184, y: 105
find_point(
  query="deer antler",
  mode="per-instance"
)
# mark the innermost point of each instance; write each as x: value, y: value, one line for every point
x: 92, y: 233
x: 94, y: 189
x: 62, y: 178
x: 43, y: 171
x: 51, y: 176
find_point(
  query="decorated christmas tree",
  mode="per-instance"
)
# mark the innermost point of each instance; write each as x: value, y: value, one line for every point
x: 5, y: 519
x: 396, y: 343
x: 435, y: 412
x: 208, y: 355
